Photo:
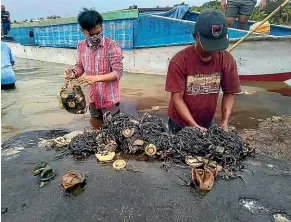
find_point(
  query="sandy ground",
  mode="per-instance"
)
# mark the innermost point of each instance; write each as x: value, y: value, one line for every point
x: 272, y: 137
x: 150, y: 193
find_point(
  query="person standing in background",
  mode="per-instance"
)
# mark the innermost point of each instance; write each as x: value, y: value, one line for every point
x: 8, y: 78
x: 241, y: 9
x: 5, y: 20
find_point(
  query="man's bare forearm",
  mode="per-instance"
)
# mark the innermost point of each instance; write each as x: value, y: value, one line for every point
x: 107, y: 77
x: 226, y: 107
x: 182, y: 109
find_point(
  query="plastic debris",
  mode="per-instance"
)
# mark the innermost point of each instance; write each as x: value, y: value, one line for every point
x: 119, y: 164
x: 105, y: 156
x: 11, y: 151
x: 217, y: 148
x: 195, y: 161
x: 44, y: 173
x: 203, y: 178
x: 150, y: 149
x: 84, y: 144
x: 251, y: 205
x: 72, y: 98
x: 4, y: 210
x: 72, y: 178
x: 39, y: 167
x: 127, y: 132
x: 245, y: 92
x: 155, y: 107
x: 226, y: 148
x: 59, y: 142
x: 280, y: 218
x: 47, y: 174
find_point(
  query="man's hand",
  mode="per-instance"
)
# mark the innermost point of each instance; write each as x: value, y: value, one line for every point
x: 87, y: 80
x: 263, y: 5
x: 224, y: 126
x: 223, y: 5
x: 69, y: 74
x: 200, y: 127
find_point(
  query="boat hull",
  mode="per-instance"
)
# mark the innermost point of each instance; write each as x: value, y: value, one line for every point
x: 256, y: 60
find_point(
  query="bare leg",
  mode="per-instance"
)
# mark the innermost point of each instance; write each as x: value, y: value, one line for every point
x: 96, y: 123
x: 242, y: 22
x: 230, y: 21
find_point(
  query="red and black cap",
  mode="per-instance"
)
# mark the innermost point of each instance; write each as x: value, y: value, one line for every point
x: 211, y: 27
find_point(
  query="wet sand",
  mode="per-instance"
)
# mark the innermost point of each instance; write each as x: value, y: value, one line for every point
x: 34, y: 103
x: 149, y: 193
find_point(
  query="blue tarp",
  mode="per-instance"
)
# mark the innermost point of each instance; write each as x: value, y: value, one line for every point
x: 178, y: 12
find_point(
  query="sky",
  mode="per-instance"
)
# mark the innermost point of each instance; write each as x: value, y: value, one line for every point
x: 33, y: 9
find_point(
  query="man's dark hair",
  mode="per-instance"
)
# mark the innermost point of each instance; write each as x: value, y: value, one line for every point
x: 89, y: 18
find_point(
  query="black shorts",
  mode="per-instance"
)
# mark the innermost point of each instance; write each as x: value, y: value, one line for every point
x: 235, y: 8
x: 99, y: 114
x: 8, y: 86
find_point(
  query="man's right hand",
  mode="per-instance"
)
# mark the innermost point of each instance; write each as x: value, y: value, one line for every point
x: 223, y: 5
x: 69, y: 74
x: 201, y: 128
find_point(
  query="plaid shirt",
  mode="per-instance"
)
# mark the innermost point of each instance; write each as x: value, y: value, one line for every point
x: 107, y: 58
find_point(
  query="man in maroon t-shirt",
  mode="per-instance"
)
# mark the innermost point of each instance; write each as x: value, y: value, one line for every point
x: 196, y: 74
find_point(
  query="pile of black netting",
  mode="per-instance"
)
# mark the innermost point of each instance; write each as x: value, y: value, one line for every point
x: 84, y: 144
x: 130, y: 135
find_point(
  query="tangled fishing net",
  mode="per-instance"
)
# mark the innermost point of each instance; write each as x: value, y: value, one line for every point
x: 206, y: 152
x: 150, y: 135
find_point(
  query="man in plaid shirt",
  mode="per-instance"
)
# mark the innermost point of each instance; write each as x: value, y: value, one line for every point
x: 100, y: 60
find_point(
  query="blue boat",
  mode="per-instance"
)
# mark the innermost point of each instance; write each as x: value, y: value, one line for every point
x: 182, y: 12
x: 150, y: 37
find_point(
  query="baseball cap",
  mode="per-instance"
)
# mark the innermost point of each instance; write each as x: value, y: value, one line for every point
x: 212, y: 28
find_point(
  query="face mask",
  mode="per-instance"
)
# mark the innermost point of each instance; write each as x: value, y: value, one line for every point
x: 94, y: 41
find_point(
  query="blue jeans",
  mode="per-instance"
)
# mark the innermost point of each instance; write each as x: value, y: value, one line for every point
x: 5, y: 28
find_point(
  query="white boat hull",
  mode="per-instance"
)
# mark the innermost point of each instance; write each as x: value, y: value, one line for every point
x: 256, y: 60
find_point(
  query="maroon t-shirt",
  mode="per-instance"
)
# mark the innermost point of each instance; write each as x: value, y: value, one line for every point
x: 200, y: 83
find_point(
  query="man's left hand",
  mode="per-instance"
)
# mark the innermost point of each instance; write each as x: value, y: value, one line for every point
x: 224, y: 126
x: 87, y: 80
